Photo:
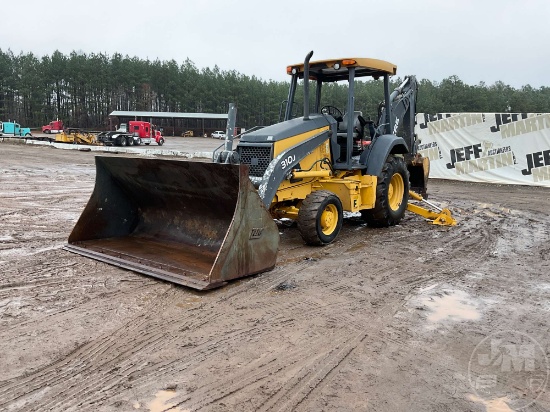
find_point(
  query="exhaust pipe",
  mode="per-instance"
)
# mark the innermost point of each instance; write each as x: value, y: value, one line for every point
x: 306, y: 85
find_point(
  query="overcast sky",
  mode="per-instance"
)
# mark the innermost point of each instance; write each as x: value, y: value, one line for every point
x: 481, y: 40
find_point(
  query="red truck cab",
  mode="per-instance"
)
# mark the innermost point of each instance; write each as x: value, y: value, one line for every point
x: 144, y: 132
x: 55, y: 126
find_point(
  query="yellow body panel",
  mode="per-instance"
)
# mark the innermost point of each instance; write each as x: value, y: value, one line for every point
x: 295, y: 191
x: 355, y: 191
x: 302, y: 188
x: 284, y: 144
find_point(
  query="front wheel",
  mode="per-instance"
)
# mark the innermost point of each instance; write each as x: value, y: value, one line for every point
x: 320, y: 217
x: 139, y: 141
x: 161, y: 141
x: 392, y: 195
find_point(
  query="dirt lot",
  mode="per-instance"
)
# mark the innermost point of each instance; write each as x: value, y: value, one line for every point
x: 410, y: 318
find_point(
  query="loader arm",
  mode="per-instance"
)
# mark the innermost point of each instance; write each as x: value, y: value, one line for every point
x: 282, y: 165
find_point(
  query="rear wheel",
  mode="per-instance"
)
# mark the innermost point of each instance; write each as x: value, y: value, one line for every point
x: 123, y: 141
x: 392, y: 195
x: 320, y: 217
x: 139, y: 142
x: 130, y: 141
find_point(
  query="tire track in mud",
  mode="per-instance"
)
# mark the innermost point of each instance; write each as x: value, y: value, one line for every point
x: 190, y: 325
x: 324, y: 357
x: 410, y: 282
x: 335, y: 285
x: 306, y: 366
x: 50, y: 286
x: 109, y: 346
x: 65, y: 364
x: 296, y: 390
x: 221, y: 391
x: 46, y: 379
x: 30, y: 324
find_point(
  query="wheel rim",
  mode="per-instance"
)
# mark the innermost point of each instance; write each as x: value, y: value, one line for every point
x: 396, y: 191
x: 329, y: 219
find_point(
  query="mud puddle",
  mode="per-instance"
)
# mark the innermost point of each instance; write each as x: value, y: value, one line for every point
x: 446, y: 305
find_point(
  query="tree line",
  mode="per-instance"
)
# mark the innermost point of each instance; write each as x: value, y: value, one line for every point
x: 82, y: 89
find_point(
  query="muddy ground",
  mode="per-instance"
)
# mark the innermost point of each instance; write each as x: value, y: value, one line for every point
x: 410, y: 318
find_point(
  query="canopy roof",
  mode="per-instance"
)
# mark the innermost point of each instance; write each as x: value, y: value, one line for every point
x: 337, y: 69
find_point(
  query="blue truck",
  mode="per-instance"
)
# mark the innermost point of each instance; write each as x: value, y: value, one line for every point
x: 14, y: 129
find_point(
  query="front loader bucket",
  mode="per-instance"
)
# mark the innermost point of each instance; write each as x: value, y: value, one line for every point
x: 192, y: 223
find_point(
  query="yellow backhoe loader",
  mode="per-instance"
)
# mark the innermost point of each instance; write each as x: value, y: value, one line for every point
x: 202, y: 224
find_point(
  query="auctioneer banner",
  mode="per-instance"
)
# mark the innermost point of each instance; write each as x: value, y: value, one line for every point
x: 505, y: 148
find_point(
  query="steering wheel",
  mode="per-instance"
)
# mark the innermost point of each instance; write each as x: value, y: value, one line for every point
x: 333, y: 111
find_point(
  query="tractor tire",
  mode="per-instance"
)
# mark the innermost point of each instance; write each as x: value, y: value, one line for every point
x: 130, y: 141
x: 392, y: 195
x: 161, y: 141
x: 123, y: 141
x: 139, y: 141
x: 320, y: 218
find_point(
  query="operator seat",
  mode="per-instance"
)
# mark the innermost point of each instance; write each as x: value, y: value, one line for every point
x: 358, y: 133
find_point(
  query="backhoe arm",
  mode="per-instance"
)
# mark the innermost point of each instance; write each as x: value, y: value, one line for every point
x: 403, y: 111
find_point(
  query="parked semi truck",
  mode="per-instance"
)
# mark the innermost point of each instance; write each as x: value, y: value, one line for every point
x: 14, y: 129
x: 55, y: 126
x: 135, y: 133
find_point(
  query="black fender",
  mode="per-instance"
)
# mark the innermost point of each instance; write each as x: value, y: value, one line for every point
x: 374, y: 157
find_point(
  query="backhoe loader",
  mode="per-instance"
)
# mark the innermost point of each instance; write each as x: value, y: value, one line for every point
x: 202, y: 224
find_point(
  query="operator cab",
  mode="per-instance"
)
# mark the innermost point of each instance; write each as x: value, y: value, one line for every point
x: 352, y: 132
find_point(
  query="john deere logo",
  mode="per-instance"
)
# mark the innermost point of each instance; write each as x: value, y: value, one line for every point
x: 256, y: 232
